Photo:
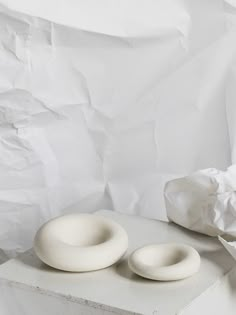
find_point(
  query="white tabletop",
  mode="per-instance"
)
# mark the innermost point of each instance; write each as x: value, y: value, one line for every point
x: 116, y: 288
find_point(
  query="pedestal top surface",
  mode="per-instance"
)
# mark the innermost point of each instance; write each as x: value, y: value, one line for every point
x: 116, y: 288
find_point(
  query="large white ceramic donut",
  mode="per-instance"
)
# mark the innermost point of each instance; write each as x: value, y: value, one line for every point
x: 165, y: 262
x: 80, y: 242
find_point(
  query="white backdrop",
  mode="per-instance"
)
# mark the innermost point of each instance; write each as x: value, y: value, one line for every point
x: 102, y: 102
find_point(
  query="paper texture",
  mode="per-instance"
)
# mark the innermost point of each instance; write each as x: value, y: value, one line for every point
x: 230, y: 246
x: 103, y: 102
x: 204, y: 201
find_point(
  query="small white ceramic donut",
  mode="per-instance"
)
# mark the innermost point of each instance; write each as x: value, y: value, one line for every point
x: 165, y: 262
x: 80, y: 242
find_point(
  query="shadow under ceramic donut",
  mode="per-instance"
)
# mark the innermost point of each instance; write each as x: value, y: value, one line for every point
x: 123, y: 270
x: 31, y: 260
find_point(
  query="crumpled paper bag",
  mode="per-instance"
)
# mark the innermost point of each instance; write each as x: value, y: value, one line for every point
x: 204, y: 201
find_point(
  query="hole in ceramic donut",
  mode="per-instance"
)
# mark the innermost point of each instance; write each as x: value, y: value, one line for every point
x: 82, y: 233
x: 161, y: 257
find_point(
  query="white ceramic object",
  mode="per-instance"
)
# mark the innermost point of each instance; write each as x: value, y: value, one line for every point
x: 80, y: 242
x: 165, y: 262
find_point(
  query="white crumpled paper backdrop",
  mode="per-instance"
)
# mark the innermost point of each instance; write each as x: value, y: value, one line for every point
x: 102, y: 102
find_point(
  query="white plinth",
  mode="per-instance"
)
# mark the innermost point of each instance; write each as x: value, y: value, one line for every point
x: 116, y: 290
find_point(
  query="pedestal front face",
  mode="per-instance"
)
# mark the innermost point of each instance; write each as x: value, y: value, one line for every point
x: 116, y: 289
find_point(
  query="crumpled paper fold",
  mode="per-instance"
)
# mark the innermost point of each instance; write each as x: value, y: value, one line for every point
x: 204, y: 201
x: 230, y: 246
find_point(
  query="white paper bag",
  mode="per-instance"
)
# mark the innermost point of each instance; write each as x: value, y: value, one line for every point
x: 204, y: 201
